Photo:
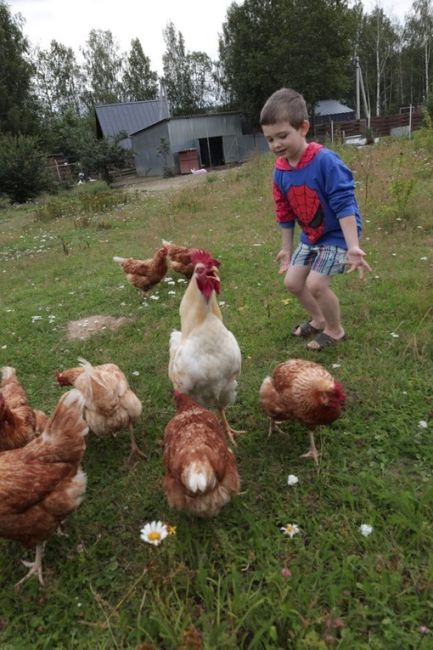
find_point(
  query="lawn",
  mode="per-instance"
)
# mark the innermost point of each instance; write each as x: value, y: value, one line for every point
x: 234, y: 581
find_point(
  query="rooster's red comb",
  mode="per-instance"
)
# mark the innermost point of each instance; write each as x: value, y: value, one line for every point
x: 199, y: 255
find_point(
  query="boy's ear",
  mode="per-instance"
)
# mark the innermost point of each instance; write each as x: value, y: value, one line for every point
x: 305, y: 127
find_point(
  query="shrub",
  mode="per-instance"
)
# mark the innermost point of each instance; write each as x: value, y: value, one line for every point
x: 23, y: 168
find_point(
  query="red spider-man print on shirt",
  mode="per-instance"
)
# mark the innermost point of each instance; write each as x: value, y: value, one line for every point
x: 305, y: 203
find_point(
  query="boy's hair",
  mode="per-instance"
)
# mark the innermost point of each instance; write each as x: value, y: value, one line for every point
x: 284, y: 105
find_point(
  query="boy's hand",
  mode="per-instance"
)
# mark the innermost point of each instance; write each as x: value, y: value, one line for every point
x: 355, y: 258
x: 283, y: 258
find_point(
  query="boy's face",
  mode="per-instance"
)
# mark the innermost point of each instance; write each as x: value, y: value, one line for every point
x: 284, y: 140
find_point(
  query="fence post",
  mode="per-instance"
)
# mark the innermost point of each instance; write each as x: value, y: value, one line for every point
x: 410, y: 120
x: 332, y: 130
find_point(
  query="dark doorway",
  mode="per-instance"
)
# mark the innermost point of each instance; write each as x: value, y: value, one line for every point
x: 211, y: 151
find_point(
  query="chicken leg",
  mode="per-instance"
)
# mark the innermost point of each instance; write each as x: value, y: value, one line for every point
x: 135, y: 449
x: 312, y: 452
x: 230, y: 432
x: 35, y: 568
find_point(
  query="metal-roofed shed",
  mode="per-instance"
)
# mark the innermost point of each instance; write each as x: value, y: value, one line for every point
x: 112, y: 119
x: 327, y: 110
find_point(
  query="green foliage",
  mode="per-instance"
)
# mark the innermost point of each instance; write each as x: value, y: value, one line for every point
x: 102, y: 68
x: 258, y: 56
x: 23, y: 167
x: 234, y: 581
x: 139, y: 81
x: 85, y: 199
x: 17, y: 109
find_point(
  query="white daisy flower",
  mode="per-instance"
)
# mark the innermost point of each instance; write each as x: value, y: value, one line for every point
x: 366, y: 529
x: 336, y: 365
x: 35, y: 318
x: 290, y: 529
x: 292, y: 479
x: 422, y: 258
x: 422, y: 424
x: 135, y: 373
x: 171, y: 293
x: 154, y: 533
x: 394, y: 335
x: 154, y: 297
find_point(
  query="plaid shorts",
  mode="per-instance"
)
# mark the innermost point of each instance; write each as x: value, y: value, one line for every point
x: 327, y: 260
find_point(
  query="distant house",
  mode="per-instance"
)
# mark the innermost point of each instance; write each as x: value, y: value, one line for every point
x: 179, y: 144
x: 329, y: 109
x: 112, y: 119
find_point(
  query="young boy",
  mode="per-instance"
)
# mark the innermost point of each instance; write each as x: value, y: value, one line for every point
x: 312, y: 185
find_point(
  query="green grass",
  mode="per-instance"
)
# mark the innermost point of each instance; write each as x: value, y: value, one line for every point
x: 217, y: 584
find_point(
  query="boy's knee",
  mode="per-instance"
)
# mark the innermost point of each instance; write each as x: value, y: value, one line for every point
x: 293, y: 287
x: 315, y: 288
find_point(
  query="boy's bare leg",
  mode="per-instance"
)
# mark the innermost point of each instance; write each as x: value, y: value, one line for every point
x: 295, y: 281
x: 319, y: 287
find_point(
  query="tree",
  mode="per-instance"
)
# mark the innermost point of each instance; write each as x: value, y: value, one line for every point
x: 102, y: 69
x: 420, y: 31
x: 177, y: 79
x: 23, y: 167
x: 17, y: 108
x: 201, y: 76
x: 139, y: 81
x: 263, y: 47
x: 57, y: 79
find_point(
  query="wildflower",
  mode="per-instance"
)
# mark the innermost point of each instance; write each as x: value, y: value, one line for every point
x: 154, y: 533
x: 366, y: 529
x: 171, y: 293
x: 423, y: 629
x: 422, y: 424
x: 35, y: 318
x: 394, y: 335
x: 292, y: 479
x: 290, y: 529
x: 285, y: 572
x: 171, y: 530
x: 336, y: 365
x: 423, y: 258
x: 154, y: 297
x: 135, y: 373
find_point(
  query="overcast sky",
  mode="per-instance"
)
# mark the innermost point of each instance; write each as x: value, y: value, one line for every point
x: 200, y: 21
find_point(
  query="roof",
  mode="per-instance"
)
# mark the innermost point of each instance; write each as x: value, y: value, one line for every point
x: 331, y: 107
x: 111, y: 119
x: 185, y: 117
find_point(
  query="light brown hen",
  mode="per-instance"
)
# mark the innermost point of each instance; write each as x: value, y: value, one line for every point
x: 110, y: 404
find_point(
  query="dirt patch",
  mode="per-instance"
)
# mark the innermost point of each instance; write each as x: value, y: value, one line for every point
x: 86, y: 327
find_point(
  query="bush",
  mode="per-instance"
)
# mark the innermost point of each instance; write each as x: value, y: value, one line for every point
x: 24, y: 169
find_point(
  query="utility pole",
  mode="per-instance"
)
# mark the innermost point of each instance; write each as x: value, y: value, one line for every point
x: 360, y: 87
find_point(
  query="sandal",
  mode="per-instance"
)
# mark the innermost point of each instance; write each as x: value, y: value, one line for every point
x: 305, y: 329
x: 324, y: 341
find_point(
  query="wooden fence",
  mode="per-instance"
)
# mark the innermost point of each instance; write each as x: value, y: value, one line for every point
x: 380, y: 126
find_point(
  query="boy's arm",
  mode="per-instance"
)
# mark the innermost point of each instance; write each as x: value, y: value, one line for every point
x: 285, y: 254
x: 355, y: 255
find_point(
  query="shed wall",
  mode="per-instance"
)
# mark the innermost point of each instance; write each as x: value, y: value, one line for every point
x: 185, y: 133
x: 145, y: 144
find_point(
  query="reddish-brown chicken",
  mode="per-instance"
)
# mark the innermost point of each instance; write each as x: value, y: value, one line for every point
x: 179, y: 258
x: 201, y: 475
x: 110, y: 405
x: 17, y: 418
x: 205, y: 359
x: 42, y: 483
x: 144, y: 274
x: 304, y: 391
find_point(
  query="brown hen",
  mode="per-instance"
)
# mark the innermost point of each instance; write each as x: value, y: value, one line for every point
x: 17, y: 418
x: 201, y: 475
x: 42, y: 483
x: 144, y: 274
x: 110, y: 405
x: 304, y: 391
x: 179, y: 258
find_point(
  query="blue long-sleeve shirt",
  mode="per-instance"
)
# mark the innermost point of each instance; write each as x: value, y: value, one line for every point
x: 316, y: 193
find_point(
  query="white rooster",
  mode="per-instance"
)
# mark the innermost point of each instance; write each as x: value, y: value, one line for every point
x: 205, y: 359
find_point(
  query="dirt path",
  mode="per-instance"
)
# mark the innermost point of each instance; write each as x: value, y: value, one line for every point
x: 153, y: 184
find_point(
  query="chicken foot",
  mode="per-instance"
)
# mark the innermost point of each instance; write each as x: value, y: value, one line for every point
x: 229, y: 431
x: 312, y: 452
x: 35, y: 568
x: 135, y: 449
